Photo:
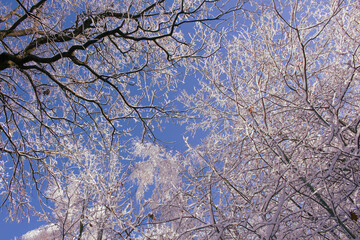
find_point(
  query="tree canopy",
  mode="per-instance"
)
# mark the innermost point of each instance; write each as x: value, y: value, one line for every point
x: 275, y: 93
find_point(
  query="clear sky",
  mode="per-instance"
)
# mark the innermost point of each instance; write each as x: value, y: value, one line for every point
x: 171, y: 137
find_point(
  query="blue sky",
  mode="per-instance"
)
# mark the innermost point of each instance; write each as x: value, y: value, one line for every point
x: 171, y: 136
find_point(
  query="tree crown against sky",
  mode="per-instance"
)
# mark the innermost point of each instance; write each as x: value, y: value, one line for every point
x: 278, y: 101
x: 281, y: 105
x: 76, y: 71
x: 78, y: 79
